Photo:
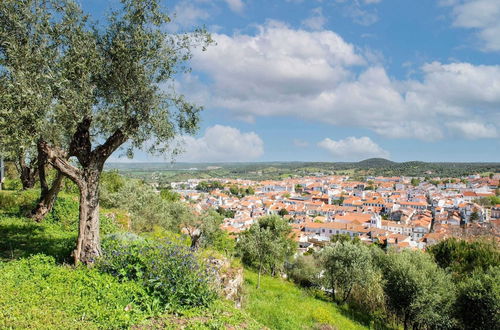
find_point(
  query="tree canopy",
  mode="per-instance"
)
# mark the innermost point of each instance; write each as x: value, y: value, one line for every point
x: 102, y: 87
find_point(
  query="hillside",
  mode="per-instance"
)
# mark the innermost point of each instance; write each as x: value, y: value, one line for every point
x: 279, y: 304
x: 374, y: 163
x: 40, y: 289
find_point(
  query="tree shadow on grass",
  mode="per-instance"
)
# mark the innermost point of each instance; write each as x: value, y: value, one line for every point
x: 20, y: 238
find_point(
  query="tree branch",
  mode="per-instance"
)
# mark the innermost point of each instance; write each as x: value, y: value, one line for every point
x: 80, y: 145
x: 118, y: 138
x: 59, y: 159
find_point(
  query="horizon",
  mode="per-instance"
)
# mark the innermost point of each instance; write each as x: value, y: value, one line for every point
x: 295, y: 161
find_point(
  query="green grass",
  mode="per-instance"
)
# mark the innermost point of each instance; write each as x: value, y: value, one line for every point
x: 22, y: 237
x: 38, y: 293
x: 279, y: 304
x: 220, y: 315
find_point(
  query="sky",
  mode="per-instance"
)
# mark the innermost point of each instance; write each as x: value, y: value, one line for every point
x: 340, y: 80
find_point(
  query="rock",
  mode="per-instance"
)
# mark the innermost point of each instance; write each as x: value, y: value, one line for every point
x: 228, y: 280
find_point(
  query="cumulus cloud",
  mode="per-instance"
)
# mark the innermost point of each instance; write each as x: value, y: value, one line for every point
x: 316, y: 75
x: 221, y: 144
x: 480, y: 15
x: 473, y: 130
x: 353, y: 148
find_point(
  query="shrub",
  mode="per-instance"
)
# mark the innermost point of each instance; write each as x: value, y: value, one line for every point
x: 170, y: 273
x: 303, y: 271
x: 18, y: 202
x: 65, y: 212
x: 462, y: 257
x: 478, y: 301
x: 12, y: 184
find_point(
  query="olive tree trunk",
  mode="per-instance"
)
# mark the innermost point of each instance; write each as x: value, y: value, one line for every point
x: 88, y: 246
x: 47, y: 195
x: 27, y: 172
x: 86, y: 177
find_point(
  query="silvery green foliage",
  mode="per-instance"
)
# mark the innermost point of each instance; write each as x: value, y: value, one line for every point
x: 345, y: 264
x: 27, y: 55
x: 58, y: 68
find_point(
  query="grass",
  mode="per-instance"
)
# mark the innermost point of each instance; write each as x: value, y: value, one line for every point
x: 220, y: 315
x: 38, y: 293
x: 21, y: 237
x: 279, y: 304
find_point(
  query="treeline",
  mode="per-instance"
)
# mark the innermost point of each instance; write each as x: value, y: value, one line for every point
x: 278, y: 171
x: 455, y: 285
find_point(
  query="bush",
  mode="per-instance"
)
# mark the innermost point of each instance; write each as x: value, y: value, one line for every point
x: 18, y: 202
x: 12, y: 184
x: 170, y: 273
x: 303, y: 271
x: 478, y: 301
x: 462, y: 257
x: 65, y: 212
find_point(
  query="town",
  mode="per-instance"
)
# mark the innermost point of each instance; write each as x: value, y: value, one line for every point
x: 399, y: 212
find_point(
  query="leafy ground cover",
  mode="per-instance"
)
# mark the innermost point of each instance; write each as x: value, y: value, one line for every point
x: 279, y: 304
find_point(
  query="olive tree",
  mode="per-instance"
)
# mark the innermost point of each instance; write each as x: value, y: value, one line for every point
x: 266, y: 245
x: 28, y: 53
x: 478, y: 301
x: 114, y: 88
x: 345, y: 265
x: 418, y: 292
x: 23, y: 60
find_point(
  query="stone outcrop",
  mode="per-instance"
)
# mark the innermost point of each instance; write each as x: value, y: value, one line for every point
x: 228, y: 279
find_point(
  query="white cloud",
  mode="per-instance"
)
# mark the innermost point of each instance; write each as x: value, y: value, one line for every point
x: 222, y: 144
x: 316, y: 21
x: 352, y: 148
x: 473, y: 130
x: 235, y: 5
x: 480, y: 15
x: 187, y: 16
x: 316, y: 76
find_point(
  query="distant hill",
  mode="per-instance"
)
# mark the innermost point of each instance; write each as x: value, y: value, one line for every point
x: 376, y: 163
x: 169, y: 172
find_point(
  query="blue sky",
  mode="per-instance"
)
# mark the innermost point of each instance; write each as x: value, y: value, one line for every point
x: 337, y: 80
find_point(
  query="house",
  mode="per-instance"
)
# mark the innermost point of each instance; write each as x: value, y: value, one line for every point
x: 495, y: 212
x: 420, y: 229
x: 329, y: 229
